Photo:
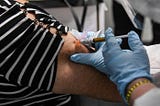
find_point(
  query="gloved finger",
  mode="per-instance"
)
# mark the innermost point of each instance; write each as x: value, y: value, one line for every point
x: 111, y: 41
x: 83, y: 58
x: 119, y: 40
x: 134, y: 41
x: 101, y: 44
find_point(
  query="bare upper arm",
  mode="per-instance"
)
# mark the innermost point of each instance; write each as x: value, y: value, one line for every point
x: 81, y: 79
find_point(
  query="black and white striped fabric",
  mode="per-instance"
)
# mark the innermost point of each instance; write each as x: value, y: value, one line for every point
x: 28, y: 60
x: 45, y: 18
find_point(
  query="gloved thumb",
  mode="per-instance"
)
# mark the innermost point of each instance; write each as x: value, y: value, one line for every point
x: 83, y: 58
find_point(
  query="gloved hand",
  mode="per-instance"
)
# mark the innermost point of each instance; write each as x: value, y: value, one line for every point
x: 94, y: 59
x: 123, y: 66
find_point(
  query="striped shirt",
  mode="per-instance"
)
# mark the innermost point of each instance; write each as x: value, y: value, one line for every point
x: 28, y: 60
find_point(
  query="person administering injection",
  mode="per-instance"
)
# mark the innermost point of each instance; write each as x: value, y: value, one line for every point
x: 128, y: 69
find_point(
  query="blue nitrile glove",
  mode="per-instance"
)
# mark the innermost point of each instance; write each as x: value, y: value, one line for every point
x: 94, y: 59
x: 123, y: 66
x: 88, y: 58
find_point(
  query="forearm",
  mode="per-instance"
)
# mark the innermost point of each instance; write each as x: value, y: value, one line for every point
x: 139, y: 91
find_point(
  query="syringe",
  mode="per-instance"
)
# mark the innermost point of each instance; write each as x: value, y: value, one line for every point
x: 102, y: 39
x: 99, y: 39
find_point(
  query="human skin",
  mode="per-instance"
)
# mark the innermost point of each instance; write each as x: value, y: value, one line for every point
x: 81, y: 79
x: 78, y: 79
x: 139, y: 91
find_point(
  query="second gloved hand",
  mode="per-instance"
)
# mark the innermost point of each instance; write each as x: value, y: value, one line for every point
x: 124, y: 66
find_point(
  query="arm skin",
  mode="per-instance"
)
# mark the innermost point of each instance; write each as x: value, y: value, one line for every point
x: 79, y: 79
x: 139, y: 91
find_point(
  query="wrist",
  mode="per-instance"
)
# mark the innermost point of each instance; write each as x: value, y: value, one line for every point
x: 137, y: 88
